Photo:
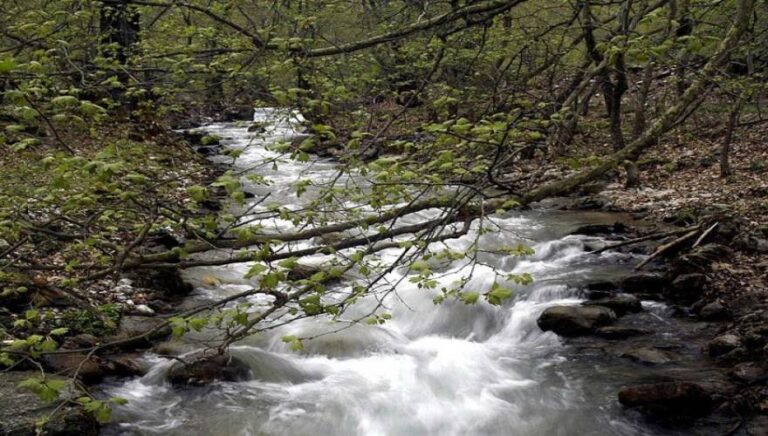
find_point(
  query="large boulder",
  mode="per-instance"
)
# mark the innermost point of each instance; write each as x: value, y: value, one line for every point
x: 575, y: 320
x: 84, y: 367
x: 204, y: 370
x: 687, y: 286
x: 723, y: 344
x: 644, y: 283
x: 621, y: 304
x: 714, y: 311
x: 21, y: 409
x: 141, y: 330
x: 668, y: 399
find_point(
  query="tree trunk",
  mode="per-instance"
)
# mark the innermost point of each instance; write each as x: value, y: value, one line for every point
x: 725, y: 148
x: 664, y: 123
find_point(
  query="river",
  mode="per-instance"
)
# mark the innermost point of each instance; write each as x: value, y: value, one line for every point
x: 446, y: 369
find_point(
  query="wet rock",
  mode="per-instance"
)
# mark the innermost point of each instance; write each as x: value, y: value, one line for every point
x: 648, y: 356
x: 83, y: 340
x: 611, y: 332
x: 621, y: 304
x: 598, y: 295
x: 20, y: 409
x: 575, y: 320
x: 193, y: 137
x: 88, y: 369
x: 687, y: 286
x: 207, y: 150
x: 139, y: 330
x: 723, y: 344
x: 125, y: 365
x: 163, y: 238
x: 644, y: 283
x: 602, y: 286
x: 601, y: 229
x: 172, y: 348
x: 594, y: 202
x: 257, y: 127
x: 237, y: 113
x: 714, y: 312
x: 668, y: 399
x: 204, y: 371
x: 160, y: 306
x: 169, y: 282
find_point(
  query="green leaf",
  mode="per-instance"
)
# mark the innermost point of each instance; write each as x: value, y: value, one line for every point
x: 289, y: 263
x: 497, y: 294
x: 469, y: 297
x: 7, y: 65
x: 59, y: 331
x: 255, y: 270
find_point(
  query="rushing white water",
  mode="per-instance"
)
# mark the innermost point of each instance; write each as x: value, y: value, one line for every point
x: 447, y: 369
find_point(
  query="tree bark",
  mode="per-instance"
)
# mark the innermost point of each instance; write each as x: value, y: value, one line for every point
x: 667, y: 120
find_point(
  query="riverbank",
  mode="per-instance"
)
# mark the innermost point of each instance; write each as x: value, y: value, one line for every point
x: 723, y: 393
x: 727, y: 271
x: 127, y: 185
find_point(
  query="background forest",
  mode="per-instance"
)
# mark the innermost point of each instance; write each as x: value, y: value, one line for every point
x: 470, y: 107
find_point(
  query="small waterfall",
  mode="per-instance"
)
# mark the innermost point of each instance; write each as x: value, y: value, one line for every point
x: 448, y: 369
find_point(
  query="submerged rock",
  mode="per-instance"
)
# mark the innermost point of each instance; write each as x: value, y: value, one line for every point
x: 669, y: 399
x: 621, y: 304
x: 21, y: 409
x: 206, y: 370
x: 611, y: 332
x: 649, y: 356
x: 575, y: 320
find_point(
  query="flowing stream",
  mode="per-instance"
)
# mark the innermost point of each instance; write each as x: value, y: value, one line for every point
x: 446, y: 369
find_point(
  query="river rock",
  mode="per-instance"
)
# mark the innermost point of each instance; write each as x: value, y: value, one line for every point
x: 125, y: 365
x: 668, y: 399
x: 714, y: 312
x: 615, y: 332
x: 205, y: 371
x: 601, y: 229
x: 723, y: 344
x: 602, y: 286
x: 88, y: 369
x: 644, y: 283
x: 257, y: 127
x: 648, y: 356
x: 575, y: 320
x: 701, y: 257
x: 687, y: 286
x: 621, y: 304
x: 21, y: 408
x: 135, y: 325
